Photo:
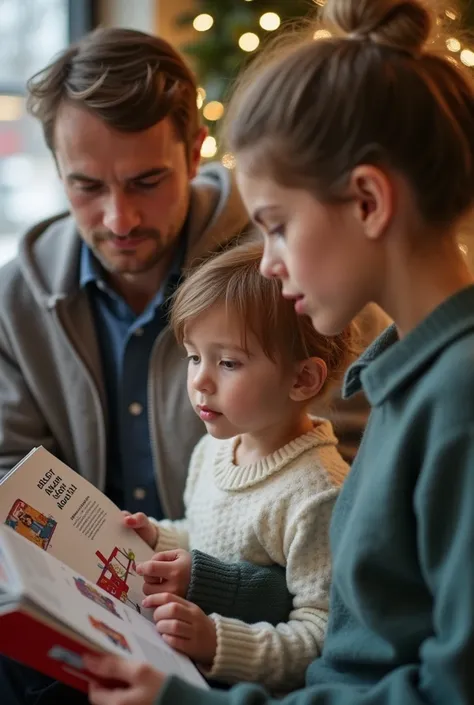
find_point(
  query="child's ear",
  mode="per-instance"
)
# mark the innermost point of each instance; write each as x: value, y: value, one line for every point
x: 310, y: 377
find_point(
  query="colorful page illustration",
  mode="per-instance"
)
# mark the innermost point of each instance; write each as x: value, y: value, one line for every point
x: 51, y: 505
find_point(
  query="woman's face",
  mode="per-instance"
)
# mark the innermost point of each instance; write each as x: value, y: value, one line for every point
x: 319, y: 251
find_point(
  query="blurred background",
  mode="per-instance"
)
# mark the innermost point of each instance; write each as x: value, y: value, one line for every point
x: 217, y: 36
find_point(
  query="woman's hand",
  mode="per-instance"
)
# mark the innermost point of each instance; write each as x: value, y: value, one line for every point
x: 140, y: 684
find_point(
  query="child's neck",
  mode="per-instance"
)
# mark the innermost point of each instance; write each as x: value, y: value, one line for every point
x: 256, y: 446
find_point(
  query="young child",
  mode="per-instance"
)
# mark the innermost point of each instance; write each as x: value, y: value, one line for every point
x: 263, y: 481
x: 355, y: 156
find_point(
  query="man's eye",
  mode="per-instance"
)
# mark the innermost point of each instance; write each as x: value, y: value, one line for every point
x: 89, y: 188
x: 146, y: 184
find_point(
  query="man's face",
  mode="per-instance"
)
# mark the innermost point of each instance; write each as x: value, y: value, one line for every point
x: 128, y: 192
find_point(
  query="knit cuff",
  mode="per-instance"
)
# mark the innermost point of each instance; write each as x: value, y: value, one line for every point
x: 168, y: 538
x: 237, y: 655
x: 213, y: 584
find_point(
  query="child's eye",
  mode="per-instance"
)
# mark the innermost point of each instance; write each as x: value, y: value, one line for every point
x: 230, y: 364
x: 193, y: 359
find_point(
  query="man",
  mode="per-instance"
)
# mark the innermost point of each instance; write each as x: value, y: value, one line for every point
x: 88, y: 366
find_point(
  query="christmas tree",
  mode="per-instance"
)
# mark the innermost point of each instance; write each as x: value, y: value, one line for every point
x: 229, y: 33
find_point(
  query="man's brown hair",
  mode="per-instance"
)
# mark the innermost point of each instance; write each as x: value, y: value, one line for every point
x: 129, y: 79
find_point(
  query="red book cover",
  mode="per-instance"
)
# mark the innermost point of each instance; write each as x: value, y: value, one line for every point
x: 40, y: 646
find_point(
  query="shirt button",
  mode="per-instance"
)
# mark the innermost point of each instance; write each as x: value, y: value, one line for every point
x: 101, y: 285
x: 139, y: 493
x: 138, y: 332
x: 135, y: 409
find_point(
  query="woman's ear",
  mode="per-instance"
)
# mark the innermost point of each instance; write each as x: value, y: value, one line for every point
x: 310, y: 377
x: 373, y: 192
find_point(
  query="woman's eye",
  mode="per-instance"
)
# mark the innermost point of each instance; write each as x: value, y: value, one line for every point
x: 278, y: 231
x: 193, y: 359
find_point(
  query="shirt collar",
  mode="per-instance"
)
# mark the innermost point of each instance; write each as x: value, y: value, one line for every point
x: 389, y: 362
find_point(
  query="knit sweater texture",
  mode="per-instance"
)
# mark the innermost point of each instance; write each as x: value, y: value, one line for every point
x: 274, y: 511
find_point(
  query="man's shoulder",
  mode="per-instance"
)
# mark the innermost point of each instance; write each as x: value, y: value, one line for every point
x: 44, y: 253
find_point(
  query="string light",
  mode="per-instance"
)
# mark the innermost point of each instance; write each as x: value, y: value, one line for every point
x: 203, y: 22
x: 209, y: 147
x: 249, y: 41
x: 453, y: 44
x: 228, y: 160
x: 213, y: 110
x: 11, y: 107
x: 201, y: 97
x: 322, y: 34
x: 450, y: 15
x: 270, y: 21
x: 467, y: 57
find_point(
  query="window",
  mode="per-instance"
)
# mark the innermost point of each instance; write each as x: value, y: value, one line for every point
x: 31, y: 33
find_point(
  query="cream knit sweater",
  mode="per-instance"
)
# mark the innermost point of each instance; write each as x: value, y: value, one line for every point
x: 274, y: 511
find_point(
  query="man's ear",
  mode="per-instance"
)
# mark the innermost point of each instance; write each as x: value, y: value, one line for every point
x: 195, y: 156
x: 310, y: 377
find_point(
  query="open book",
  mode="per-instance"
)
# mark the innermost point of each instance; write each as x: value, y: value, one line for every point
x: 68, y: 580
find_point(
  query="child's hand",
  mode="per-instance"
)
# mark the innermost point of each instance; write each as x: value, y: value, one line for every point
x: 184, y: 626
x: 169, y: 571
x: 143, y: 526
x: 141, y: 683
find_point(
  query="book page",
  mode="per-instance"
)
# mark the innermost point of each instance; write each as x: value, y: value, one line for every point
x: 91, y: 612
x: 59, y: 511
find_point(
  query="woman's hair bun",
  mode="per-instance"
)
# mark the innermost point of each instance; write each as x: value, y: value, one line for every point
x: 404, y: 25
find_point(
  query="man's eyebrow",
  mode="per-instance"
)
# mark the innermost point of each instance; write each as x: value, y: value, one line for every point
x: 149, y: 173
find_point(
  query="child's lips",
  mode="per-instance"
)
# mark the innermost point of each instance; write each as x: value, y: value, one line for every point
x: 207, y: 414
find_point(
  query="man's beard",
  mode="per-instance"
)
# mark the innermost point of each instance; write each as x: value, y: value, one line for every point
x: 162, y: 249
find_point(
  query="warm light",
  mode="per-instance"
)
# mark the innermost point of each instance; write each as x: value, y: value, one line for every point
x: 213, y: 110
x: 201, y: 97
x: 228, y: 160
x: 249, y: 41
x: 453, y: 44
x: 321, y: 34
x: 467, y: 57
x: 450, y: 14
x: 11, y: 107
x: 463, y: 249
x: 209, y: 147
x: 320, y: 2
x: 203, y: 22
x: 270, y: 21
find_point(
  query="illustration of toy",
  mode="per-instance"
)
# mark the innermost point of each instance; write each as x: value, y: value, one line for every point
x: 30, y: 523
x: 91, y: 593
x: 115, y: 637
x: 115, y: 572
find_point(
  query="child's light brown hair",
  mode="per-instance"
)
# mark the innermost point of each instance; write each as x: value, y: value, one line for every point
x: 232, y: 278
x: 375, y: 91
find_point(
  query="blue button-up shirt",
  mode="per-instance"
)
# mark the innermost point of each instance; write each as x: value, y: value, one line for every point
x: 126, y: 341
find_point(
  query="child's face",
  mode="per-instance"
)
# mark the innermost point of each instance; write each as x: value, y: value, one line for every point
x: 234, y: 391
x: 318, y: 251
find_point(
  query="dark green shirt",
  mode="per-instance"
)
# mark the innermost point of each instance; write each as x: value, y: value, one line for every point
x: 401, y: 627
